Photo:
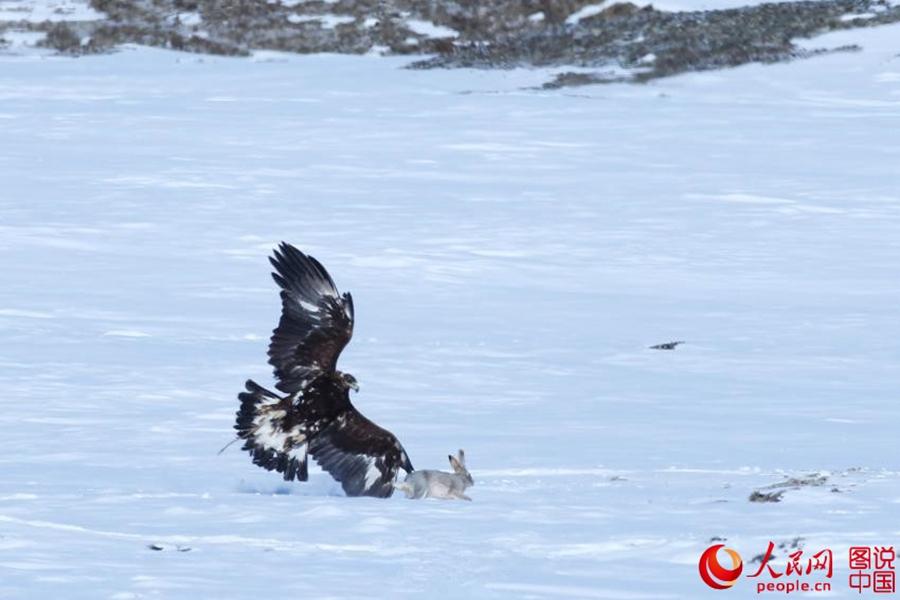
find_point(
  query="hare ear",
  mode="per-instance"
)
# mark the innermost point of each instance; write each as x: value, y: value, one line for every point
x: 454, y: 463
x: 462, y: 457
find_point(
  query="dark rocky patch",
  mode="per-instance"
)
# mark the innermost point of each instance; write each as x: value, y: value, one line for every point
x: 623, y: 42
x: 793, y: 544
x: 790, y: 483
x: 64, y: 38
x: 655, y: 44
x: 160, y: 548
x: 811, y: 480
x: 764, y: 497
x: 783, y: 548
x: 667, y: 346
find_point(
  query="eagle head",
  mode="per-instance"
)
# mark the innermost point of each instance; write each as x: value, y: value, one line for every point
x: 348, y: 381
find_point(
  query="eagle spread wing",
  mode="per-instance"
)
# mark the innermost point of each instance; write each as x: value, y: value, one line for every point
x: 316, y: 416
x: 361, y: 455
x: 316, y: 321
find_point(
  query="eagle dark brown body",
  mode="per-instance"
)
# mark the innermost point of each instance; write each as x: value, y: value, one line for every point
x: 315, y: 416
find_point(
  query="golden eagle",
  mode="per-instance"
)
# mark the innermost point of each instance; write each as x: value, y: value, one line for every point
x: 315, y: 416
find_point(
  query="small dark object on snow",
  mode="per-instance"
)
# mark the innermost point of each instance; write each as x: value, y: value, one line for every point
x: 758, y: 496
x: 666, y: 346
x: 571, y: 79
x: 794, y: 544
x: 160, y: 548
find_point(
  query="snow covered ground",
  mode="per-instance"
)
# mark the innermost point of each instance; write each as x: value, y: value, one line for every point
x: 512, y: 254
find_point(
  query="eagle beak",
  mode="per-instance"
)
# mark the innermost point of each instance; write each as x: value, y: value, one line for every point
x: 354, y: 386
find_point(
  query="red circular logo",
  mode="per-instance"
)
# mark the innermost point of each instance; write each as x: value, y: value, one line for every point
x: 714, y: 574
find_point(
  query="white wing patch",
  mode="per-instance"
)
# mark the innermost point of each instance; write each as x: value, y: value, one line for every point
x: 299, y: 453
x: 275, y: 436
x: 268, y: 432
x: 308, y: 306
x: 373, y: 473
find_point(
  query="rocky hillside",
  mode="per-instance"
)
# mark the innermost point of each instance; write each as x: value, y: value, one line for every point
x: 616, y: 42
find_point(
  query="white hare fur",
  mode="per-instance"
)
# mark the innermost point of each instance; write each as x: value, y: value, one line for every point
x: 439, y: 484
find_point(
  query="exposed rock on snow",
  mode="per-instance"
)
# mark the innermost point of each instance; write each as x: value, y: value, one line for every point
x: 627, y: 41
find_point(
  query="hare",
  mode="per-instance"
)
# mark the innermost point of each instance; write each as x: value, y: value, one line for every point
x: 438, y: 484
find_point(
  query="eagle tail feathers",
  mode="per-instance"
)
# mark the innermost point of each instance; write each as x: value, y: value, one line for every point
x: 261, y: 424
